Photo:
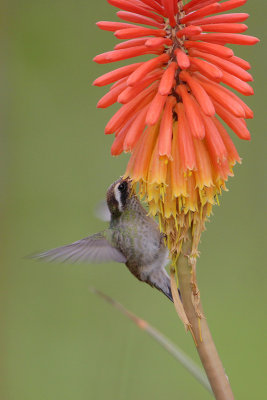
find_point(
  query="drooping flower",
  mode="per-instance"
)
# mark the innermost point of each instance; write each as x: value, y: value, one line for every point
x: 173, y: 104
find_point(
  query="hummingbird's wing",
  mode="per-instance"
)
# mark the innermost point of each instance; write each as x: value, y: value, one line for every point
x: 93, y: 249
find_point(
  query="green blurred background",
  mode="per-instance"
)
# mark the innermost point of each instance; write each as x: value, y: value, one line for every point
x: 59, y: 341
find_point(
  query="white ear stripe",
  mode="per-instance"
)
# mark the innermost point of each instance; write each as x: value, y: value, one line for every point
x: 117, y: 195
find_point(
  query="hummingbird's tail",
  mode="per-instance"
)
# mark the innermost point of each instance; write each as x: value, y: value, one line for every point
x: 168, y: 293
x: 161, y: 281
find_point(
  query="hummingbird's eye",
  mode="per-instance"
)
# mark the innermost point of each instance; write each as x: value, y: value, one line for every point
x: 122, y: 186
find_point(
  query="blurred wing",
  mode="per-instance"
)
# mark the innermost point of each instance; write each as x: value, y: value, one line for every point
x: 95, y: 249
x: 102, y: 211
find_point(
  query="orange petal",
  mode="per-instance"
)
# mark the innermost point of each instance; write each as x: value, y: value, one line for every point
x: 143, y: 153
x: 189, y: 31
x: 190, y: 4
x: 114, y: 26
x: 128, y: 6
x: 206, y: 69
x: 169, y: 200
x: 131, y: 43
x: 145, y: 68
x: 192, y: 113
x: 223, y: 97
x: 210, y: 9
x: 215, y: 145
x: 185, y: 142
x: 223, y: 18
x: 135, y: 131
x: 229, y: 5
x: 155, y: 109
x: 123, y: 54
x: 226, y: 65
x: 117, y: 145
x: 111, y: 97
x: 154, y: 4
x: 238, y: 125
x: 203, y: 174
x: 113, y: 76
x: 237, y: 84
x: 168, y: 7
x: 233, y: 38
x: 182, y: 59
x: 157, y: 167
x: 240, y: 62
x: 140, y: 19
x: 130, y: 92
x: 227, y: 27
x: 155, y: 42
x: 216, y: 49
x: 200, y: 4
x: 128, y: 109
x: 138, y: 32
x: 233, y: 155
x: 199, y: 92
x: 177, y: 176
x: 192, y: 200
x: 167, y: 79
x: 165, y: 132
x: 226, y: 92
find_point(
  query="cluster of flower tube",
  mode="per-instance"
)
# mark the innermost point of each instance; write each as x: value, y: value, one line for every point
x: 173, y: 107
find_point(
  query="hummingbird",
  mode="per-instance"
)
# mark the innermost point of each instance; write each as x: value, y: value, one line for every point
x: 132, y: 238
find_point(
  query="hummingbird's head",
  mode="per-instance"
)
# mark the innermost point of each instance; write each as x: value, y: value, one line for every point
x: 118, y: 195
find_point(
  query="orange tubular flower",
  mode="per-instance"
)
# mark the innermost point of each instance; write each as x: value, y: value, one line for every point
x: 173, y: 104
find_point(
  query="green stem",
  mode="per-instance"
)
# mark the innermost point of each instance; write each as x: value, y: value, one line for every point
x: 205, y: 345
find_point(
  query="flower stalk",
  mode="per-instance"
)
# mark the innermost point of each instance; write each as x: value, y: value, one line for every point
x: 199, y: 325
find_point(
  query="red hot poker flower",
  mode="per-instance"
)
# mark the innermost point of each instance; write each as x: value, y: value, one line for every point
x: 173, y: 105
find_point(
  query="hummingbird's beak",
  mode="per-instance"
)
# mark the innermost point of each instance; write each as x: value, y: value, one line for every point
x: 131, y: 185
x: 127, y: 179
